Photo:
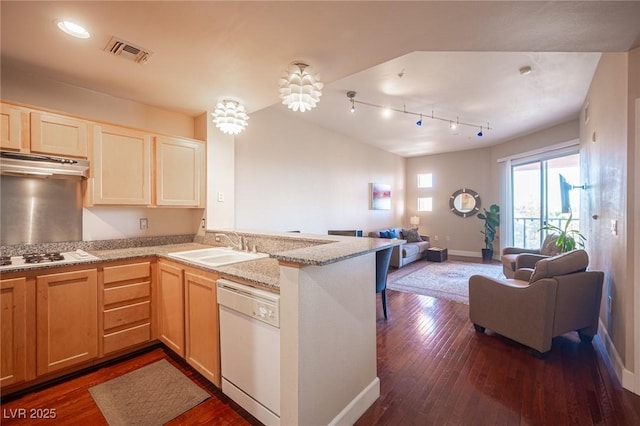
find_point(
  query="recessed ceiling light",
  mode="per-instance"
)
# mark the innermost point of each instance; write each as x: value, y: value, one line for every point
x: 73, y: 29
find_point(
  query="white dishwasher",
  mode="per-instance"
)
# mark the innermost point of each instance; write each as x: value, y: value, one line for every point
x: 250, y: 349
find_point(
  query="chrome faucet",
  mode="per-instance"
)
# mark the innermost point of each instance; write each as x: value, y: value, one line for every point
x: 233, y: 244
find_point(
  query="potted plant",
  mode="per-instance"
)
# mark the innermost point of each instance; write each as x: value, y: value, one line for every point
x: 491, y: 219
x: 568, y: 238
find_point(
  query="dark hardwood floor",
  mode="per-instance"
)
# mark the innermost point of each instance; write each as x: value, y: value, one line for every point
x: 434, y: 369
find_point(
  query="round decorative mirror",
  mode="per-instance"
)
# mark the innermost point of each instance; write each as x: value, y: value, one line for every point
x: 464, y: 202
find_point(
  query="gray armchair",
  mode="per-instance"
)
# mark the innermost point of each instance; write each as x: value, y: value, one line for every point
x: 556, y: 297
x: 514, y: 258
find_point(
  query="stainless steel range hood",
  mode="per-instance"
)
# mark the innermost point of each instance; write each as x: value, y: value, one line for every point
x: 36, y: 165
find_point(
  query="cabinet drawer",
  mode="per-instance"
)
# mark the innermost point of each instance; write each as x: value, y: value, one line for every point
x: 112, y: 274
x: 124, y: 338
x: 126, y: 292
x: 127, y: 314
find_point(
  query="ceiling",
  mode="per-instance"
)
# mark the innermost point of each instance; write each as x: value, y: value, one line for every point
x: 456, y: 60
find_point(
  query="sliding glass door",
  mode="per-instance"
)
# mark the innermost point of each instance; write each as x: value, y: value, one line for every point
x: 544, y: 191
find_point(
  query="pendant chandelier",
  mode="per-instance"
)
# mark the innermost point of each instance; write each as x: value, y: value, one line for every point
x: 230, y: 117
x: 300, y: 88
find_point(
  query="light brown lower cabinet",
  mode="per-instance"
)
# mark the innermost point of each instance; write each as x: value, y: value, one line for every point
x: 171, y: 306
x: 67, y: 319
x: 188, y: 316
x: 13, y: 309
x: 126, y: 305
x: 52, y: 322
x: 201, y: 325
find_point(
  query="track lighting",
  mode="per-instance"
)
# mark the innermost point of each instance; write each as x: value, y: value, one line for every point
x: 351, y: 95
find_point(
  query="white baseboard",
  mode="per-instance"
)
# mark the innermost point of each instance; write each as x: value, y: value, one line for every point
x: 356, y: 408
x: 624, y: 376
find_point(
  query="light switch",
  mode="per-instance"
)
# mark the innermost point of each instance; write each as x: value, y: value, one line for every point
x: 614, y: 227
x: 221, y: 197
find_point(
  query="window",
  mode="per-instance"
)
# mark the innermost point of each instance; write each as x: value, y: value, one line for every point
x: 425, y: 204
x: 543, y: 193
x: 425, y: 180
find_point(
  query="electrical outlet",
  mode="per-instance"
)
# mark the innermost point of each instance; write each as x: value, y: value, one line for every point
x: 435, y: 238
x: 202, y: 224
x: 220, y: 197
x: 448, y: 238
x: 144, y: 223
x: 217, y: 239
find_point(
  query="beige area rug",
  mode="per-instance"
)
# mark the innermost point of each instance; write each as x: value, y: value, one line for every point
x: 151, y: 395
x: 446, y: 280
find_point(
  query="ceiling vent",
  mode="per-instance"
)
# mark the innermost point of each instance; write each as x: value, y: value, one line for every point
x: 126, y: 50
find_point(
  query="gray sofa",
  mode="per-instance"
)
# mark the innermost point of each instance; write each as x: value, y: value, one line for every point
x: 406, y: 253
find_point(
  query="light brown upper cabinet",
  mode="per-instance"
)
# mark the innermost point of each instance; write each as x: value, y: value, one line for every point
x: 121, y: 167
x: 59, y: 135
x: 180, y: 172
x: 14, y: 126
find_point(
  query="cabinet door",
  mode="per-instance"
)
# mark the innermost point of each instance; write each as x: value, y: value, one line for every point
x: 13, y: 128
x: 121, y: 166
x: 13, y: 328
x: 59, y: 135
x: 202, y: 328
x: 171, y: 307
x: 67, y: 319
x: 180, y: 172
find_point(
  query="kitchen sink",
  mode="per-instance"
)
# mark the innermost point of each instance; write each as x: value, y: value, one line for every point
x: 216, y: 256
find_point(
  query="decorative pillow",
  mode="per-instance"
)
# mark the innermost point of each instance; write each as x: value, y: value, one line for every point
x: 393, y: 233
x: 384, y: 234
x: 411, y: 235
x: 562, y: 264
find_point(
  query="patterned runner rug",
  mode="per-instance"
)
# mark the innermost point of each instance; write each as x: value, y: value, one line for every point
x: 151, y: 395
x: 446, y: 280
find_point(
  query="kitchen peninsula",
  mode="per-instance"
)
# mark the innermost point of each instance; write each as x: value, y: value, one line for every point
x: 328, y: 368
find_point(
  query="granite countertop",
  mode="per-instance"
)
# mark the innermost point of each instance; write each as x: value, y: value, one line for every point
x: 302, y: 249
x: 336, y: 249
x: 262, y: 272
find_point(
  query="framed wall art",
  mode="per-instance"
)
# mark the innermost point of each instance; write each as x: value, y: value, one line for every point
x: 380, y: 196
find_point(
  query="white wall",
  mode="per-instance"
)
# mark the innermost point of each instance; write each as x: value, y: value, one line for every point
x: 26, y: 86
x: 469, y: 169
x: 220, y: 178
x: 606, y: 198
x: 114, y: 222
x: 293, y: 175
